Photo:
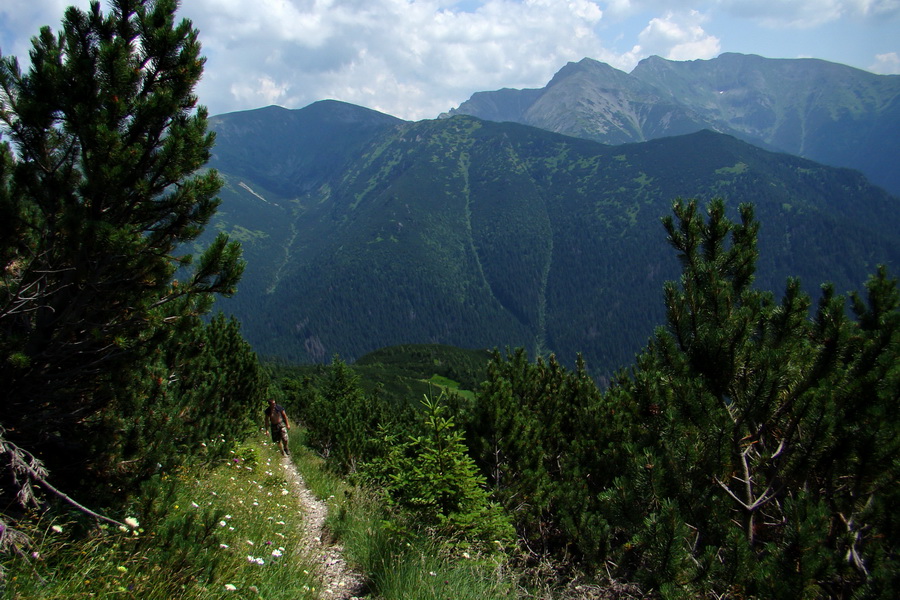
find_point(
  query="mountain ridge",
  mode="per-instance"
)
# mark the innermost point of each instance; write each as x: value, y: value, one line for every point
x: 480, y: 234
x: 830, y: 113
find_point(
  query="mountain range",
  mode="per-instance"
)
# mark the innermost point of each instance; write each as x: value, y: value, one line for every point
x: 827, y: 112
x: 362, y: 231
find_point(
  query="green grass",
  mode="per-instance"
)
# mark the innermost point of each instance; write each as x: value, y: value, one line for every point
x: 449, y: 385
x: 196, y: 538
x: 203, y: 531
x: 398, y: 566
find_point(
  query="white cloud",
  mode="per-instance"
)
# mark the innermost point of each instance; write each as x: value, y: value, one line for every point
x: 771, y: 13
x: 676, y: 36
x: 417, y: 58
x: 411, y: 58
x: 886, y: 64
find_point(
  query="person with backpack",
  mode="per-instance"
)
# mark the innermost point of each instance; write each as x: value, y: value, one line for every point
x: 277, y: 422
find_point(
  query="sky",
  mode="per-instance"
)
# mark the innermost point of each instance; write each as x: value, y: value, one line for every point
x: 416, y: 59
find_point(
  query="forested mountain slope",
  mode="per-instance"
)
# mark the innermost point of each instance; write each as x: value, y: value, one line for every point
x: 824, y: 111
x: 480, y: 234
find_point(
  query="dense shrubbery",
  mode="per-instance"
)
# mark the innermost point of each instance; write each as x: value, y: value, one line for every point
x: 415, y: 459
x: 749, y: 452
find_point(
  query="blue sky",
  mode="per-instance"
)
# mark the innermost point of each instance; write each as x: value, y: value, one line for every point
x: 415, y: 59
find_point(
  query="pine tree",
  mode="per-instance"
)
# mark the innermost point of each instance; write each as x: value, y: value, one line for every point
x: 432, y: 478
x: 754, y: 460
x: 342, y: 420
x: 99, y: 198
x: 536, y: 435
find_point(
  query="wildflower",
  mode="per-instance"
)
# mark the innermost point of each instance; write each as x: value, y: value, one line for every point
x: 227, y: 516
x: 260, y: 561
x: 195, y: 505
x: 57, y: 528
x: 432, y: 573
x: 229, y: 587
x: 122, y: 569
x: 276, y: 553
x: 250, y: 542
x: 132, y: 522
x: 123, y: 529
x: 222, y: 523
x: 223, y: 546
x: 36, y: 555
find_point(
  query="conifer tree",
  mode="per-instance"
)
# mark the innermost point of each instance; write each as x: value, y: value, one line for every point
x: 431, y: 476
x: 534, y: 431
x: 341, y: 418
x: 751, y: 422
x: 100, y: 195
x: 751, y: 451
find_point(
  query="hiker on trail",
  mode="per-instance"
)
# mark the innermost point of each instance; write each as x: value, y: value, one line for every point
x: 277, y: 423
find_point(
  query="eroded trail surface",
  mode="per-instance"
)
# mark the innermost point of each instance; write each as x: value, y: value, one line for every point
x: 338, y: 580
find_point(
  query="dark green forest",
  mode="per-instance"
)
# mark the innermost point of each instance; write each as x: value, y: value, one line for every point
x: 748, y: 451
x: 478, y: 234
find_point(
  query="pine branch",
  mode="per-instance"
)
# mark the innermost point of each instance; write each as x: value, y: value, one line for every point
x: 23, y: 462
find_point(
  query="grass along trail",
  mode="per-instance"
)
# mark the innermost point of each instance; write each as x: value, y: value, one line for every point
x: 338, y: 580
x: 247, y: 528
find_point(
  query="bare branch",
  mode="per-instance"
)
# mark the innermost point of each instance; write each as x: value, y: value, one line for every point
x: 22, y: 462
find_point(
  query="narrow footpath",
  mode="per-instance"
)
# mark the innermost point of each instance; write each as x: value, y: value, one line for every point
x: 339, y: 582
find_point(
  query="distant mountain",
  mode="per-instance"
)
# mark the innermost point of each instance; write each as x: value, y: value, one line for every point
x: 823, y: 111
x: 293, y: 151
x: 362, y: 231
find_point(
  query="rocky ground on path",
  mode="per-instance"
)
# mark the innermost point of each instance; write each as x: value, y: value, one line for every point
x: 339, y: 581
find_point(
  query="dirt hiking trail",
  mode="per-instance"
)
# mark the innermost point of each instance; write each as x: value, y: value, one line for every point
x: 339, y: 582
